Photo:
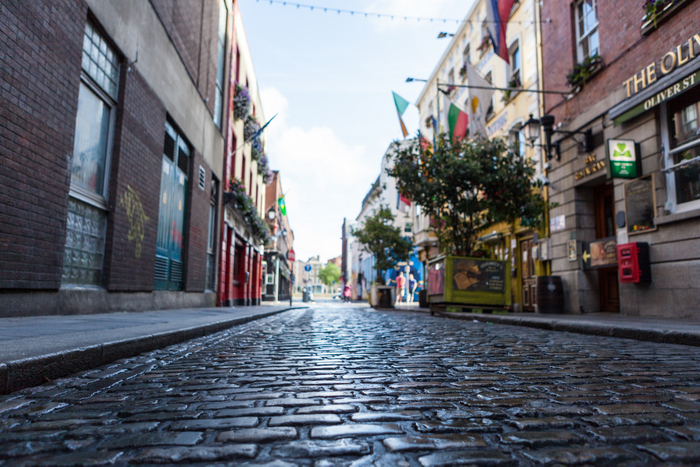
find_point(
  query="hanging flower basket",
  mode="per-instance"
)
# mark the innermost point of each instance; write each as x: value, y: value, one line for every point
x: 241, y: 102
x: 264, y: 169
x: 257, y: 150
x: 240, y: 200
x: 250, y: 128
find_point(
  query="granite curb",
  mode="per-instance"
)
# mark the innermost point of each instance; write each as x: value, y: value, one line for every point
x: 627, y: 331
x: 34, y: 371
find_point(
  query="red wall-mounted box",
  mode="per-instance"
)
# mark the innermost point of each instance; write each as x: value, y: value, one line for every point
x: 633, y: 265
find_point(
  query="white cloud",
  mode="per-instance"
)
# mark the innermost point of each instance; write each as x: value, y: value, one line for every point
x: 324, y: 178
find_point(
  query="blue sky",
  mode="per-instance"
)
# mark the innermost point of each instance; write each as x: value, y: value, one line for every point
x: 329, y: 78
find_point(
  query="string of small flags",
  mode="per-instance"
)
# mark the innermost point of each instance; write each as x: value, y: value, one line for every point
x: 366, y: 14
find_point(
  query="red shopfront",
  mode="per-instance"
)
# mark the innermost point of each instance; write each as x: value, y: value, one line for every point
x: 240, y: 268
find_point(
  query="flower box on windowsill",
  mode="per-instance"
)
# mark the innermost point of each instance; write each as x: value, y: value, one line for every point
x: 484, y: 46
x: 649, y: 25
x: 587, y: 72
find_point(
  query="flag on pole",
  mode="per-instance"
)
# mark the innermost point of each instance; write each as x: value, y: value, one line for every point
x: 479, y: 102
x: 458, y: 121
x: 497, y: 15
x: 402, y: 203
x: 283, y: 207
x: 401, y: 105
x: 259, y: 132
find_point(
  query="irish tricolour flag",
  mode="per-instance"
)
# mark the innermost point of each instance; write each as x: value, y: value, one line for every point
x: 458, y: 121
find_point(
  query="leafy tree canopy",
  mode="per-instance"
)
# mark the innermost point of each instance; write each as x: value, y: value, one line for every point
x: 465, y: 186
x: 381, y: 238
x: 329, y: 274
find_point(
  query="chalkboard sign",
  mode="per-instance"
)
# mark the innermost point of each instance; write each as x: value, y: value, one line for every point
x: 640, y: 204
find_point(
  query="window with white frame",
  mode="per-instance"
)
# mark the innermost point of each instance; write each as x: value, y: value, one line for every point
x: 683, y: 157
x: 220, y: 63
x: 515, y: 78
x: 587, y: 42
x: 467, y: 55
x: 86, y: 223
x: 517, y: 140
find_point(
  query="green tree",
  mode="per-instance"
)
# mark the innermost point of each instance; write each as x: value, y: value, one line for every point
x: 329, y: 274
x: 465, y: 186
x: 381, y: 238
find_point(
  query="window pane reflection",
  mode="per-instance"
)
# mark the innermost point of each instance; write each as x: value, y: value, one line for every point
x: 90, y: 147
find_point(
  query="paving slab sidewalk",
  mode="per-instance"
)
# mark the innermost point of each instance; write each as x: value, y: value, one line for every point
x: 37, y: 349
x: 669, y: 331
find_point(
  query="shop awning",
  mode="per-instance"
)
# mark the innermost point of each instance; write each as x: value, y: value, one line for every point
x: 659, y: 92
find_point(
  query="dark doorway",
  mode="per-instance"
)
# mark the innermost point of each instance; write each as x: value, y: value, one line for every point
x: 605, y: 227
x: 528, y: 276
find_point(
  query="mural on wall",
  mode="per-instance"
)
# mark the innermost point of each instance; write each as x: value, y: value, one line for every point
x: 131, y: 202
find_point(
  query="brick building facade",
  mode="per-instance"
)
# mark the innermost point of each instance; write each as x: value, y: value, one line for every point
x: 245, y: 172
x: 636, y: 91
x: 278, y: 273
x: 111, y: 154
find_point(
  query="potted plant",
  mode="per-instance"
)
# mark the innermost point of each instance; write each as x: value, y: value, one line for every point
x: 463, y: 187
x: 380, y: 237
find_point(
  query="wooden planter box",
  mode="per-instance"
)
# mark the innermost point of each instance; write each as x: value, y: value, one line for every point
x: 456, y: 282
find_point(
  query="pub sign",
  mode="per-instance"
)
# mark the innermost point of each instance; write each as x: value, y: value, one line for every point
x: 624, y: 160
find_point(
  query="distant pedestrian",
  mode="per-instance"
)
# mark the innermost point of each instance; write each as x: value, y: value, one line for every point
x: 412, y: 284
x: 400, y: 287
x: 347, y: 292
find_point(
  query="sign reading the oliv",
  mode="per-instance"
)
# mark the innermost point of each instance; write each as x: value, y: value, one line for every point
x: 478, y: 275
x: 624, y: 160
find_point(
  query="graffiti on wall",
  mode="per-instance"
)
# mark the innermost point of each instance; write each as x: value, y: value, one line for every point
x: 131, y: 202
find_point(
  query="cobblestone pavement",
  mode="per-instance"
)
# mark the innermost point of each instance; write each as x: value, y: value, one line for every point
x: 340, y: 385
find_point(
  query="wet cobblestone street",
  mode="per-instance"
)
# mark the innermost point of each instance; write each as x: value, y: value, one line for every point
x: 341, y: 385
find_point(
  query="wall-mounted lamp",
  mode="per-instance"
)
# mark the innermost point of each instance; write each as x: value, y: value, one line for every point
x: 531, y: 131
x: 271, y: 214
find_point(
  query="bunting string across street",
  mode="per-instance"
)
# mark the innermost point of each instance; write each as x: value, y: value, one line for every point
x: 369, y: 14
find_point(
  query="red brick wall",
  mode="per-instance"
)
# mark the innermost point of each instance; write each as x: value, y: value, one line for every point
x: 196, y: 225
x: 40, y: 53
x: 623, y: 49
x: 40, y: 61
x: 136, y: 172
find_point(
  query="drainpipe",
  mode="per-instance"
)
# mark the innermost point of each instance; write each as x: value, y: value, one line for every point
x: 540, y: 100
x: 277, y: 277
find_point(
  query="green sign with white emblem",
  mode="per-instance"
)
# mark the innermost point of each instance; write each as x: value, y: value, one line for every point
x: 623, y: 159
